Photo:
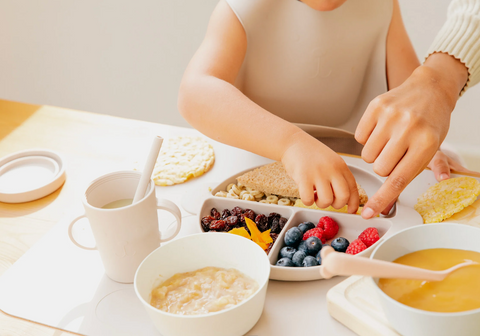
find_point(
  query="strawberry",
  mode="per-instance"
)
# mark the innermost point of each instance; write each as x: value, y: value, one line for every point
x: 329, y: 226
x: 355, y: 247
x: 316, y: 232
x: 369, y: 236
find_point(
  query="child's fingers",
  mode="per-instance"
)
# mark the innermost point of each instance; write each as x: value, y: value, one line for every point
x: 341, y: 192
x: 375, y: 144
x: 394, y: 150
x: 324, y: 194
x: 306, y: 193
x: 354, y: 201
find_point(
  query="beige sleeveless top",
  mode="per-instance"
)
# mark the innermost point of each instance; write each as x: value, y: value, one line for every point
x: 312, y: 67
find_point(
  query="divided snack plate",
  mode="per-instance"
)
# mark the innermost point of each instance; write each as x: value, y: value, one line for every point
x: 350, y: 225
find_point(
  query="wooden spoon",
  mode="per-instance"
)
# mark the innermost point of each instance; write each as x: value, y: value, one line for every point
x: 336, y: 263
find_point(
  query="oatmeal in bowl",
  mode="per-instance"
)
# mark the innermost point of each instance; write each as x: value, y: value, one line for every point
x: 205, y: 284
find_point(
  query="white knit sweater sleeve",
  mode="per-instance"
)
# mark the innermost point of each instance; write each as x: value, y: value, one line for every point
x: 460, y: 37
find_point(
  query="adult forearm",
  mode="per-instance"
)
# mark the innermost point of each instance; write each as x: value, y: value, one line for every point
x: 447, y: 72
x: 222, y: 112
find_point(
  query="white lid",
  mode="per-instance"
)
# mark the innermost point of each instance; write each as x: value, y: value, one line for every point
x: 29, y: 175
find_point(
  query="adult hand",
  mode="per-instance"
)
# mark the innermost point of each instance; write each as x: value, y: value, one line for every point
x: 402, y: 129
x: 442, y: 165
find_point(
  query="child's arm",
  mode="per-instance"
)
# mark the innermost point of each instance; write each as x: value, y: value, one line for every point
x: 210, y: 102
x: 401, y: 57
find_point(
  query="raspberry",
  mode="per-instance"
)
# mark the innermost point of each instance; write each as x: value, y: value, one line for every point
x: 369, y: 236
x: 316, y: 232
x: 355, y: 247
x: 329, y: 226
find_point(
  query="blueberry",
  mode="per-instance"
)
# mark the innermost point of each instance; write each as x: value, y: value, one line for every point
x: 340, y: 244
x: 319, y: 257
x: 313, y: 245
x: 298, y: 257
x: 302, y: 246
x: 293, y: 237
x: 309, y: 261
x: 305, y: 226
x: 285, y: 262
x: 287, y: 252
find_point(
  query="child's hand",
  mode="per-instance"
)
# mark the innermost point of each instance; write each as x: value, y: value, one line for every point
x: 314, y: 166
x: 442, y: 164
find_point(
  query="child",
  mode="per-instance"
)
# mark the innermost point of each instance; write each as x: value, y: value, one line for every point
x: 267, y: 64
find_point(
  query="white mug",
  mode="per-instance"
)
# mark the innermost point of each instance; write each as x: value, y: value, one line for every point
x: 124, y: 236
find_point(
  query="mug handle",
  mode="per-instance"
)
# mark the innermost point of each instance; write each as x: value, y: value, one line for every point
x: 171, y: 207
x: 70, y: 234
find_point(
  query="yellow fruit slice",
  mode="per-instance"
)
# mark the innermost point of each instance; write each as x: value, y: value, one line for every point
x: 266, y: 236
x: 446, y: 198
x: 256, y: 234
x: 240, y: 232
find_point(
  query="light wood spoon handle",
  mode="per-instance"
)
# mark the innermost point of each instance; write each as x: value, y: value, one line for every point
x: 335, y: 263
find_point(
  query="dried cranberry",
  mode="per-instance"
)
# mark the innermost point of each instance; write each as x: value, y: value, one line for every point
x: 231, y: 221
x: 275, y: 226
x: 214, y: 213
x: 271, y: 217
x: 226, y: 213
x: 217, y: 225
x: 274, y: 237
x: 237, y: 211
x: 282, y: 221
x: 249, y: 214
x: 269, y: 248
x: 262, y: 222
x: 206, y: 222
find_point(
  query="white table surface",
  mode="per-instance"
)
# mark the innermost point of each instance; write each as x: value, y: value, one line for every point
x: 292, y: 308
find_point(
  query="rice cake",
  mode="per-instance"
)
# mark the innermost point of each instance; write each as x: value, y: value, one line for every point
x: 446, y: 198
x: 181, y: 159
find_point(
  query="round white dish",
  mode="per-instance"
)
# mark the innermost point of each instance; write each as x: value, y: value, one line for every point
x: 410, y: 321
x: 29, y: 175
x: 350, y: 225
x: 194, y: 252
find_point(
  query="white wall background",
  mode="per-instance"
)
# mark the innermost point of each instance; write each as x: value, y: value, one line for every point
x: 126, y: 57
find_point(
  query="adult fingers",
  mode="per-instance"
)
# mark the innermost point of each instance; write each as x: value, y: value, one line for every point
x: 341, y: 193
x: 440, y: 166
x: 324, y: 194
x: 374, y: 145
x: 367, y: 123
x: 306, y: 192
x: 389, y: 207
x: 390, y: 157
x: 405, y: 171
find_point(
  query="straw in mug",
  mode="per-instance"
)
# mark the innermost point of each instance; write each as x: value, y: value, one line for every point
x: 148, y: 169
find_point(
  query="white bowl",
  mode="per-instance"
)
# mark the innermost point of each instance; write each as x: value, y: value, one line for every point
x: 410, y: 321
x: 194, y: 252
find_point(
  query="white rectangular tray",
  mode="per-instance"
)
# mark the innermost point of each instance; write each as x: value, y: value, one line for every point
x: 354, y: 303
